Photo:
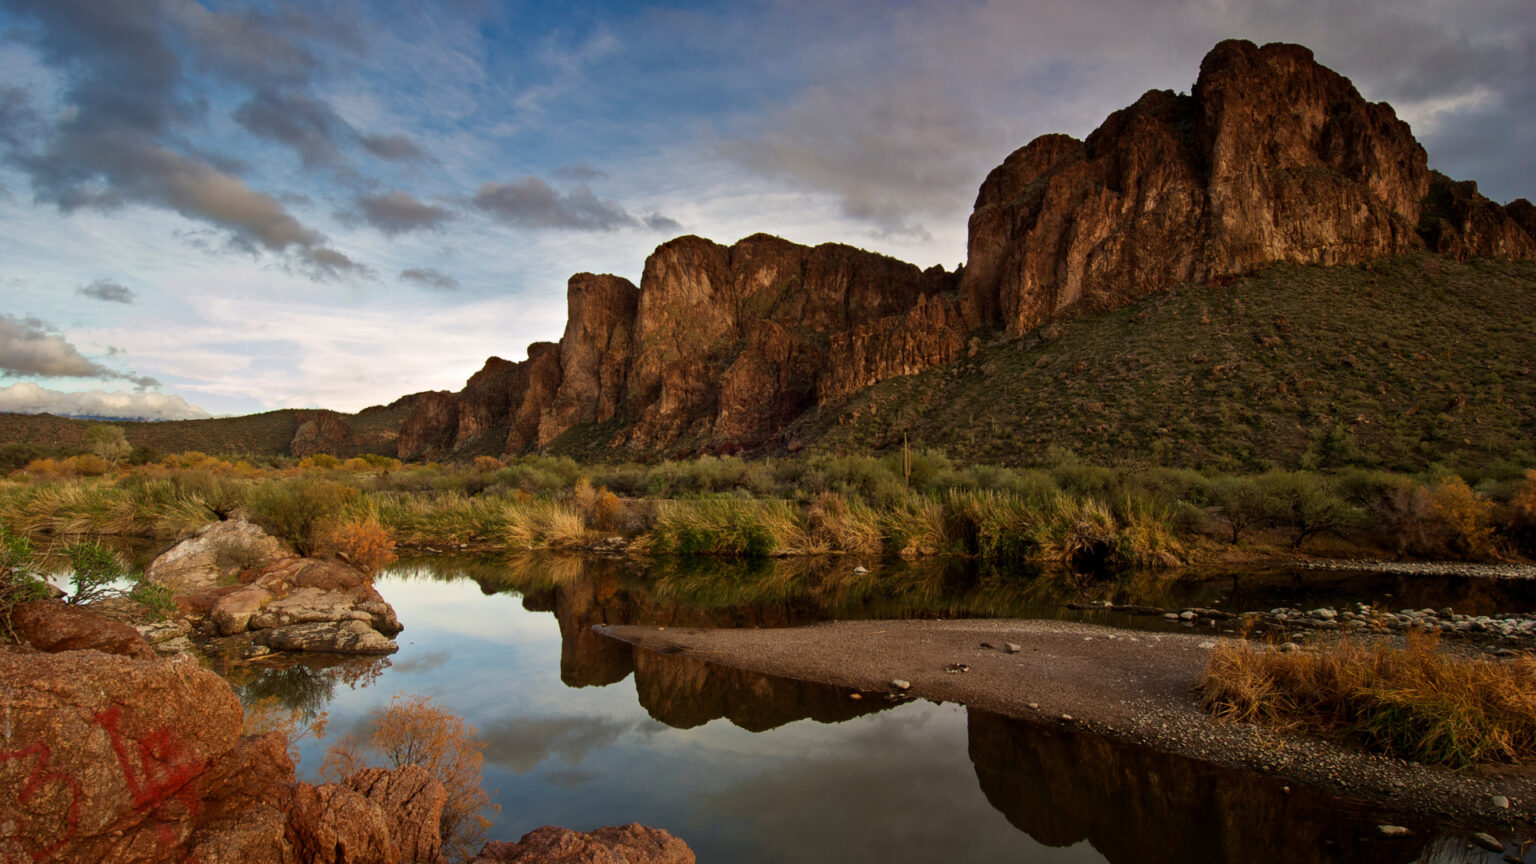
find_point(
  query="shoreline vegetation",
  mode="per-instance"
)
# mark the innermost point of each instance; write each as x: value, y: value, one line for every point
x: 1088, y: 519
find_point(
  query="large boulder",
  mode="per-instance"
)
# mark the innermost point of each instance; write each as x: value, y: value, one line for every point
x: 623, y: 844
x: 247, y: 581
x: 49, y: 625
x: 117, y: 760
x: 215, y: 556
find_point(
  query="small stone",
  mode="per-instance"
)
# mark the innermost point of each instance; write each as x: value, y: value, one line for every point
x: 1011, y: 648
x: 857, y: 697
x: 1393, y: 831
x: 957, y: 667
x: 1034, y: 706
x: 1171, y: 616
x: 1087, y: 638
x: 1500, y: 802
x: 1066, y: 718
x: 901, y: 684
x: 1288, y: 647
x: 1207, y: 645
x: 1487, y: 841
x: 861, y: 570
x: 1187, y: 615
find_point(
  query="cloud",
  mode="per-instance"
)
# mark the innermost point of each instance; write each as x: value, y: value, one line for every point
x: 30, y: 347
x: 29, y: 398
x: 522, y: 744
x: 106, y: 291
x: 396, y: 148
x: 128, y: 100
x: 308, y: 126
x: 429, y: 278
x: 533, y: 203
x: 398, y: 213
x: 658, y: 222
x: 580, y: 171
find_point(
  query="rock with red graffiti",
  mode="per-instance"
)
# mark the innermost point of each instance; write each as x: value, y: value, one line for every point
x: 101, y: 755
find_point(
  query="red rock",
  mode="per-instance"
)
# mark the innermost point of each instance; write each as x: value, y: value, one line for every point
x: 594, y: 353
x: 431, y: 428
x: 412, y: 802
x: 625, y: 844
x: 49, y: 625
x: 322, y: 432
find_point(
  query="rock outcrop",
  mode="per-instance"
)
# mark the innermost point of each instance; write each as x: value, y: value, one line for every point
x: 245, y: 581
x: 1270, y: 158
x: 621, y: 844
x: 323, y: 432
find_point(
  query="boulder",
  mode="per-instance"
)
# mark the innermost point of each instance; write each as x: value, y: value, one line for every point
x: 216, y: 555
x: 51, y: 626
x: 309, y: 604
x: 624, y: 844
x: 412, y: 802
x: 322, y: 432
x: 337, y: 825
x: 343, y: 637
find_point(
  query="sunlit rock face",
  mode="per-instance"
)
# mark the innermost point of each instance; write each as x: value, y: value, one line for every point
x: 1270, y: 157
x: 1134, y: 804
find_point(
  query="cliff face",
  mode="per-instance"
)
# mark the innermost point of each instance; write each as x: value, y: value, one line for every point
x: 1271, y: 157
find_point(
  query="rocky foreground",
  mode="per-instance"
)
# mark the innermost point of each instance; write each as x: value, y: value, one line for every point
x: 1131, y: 686
x: 111, y: 755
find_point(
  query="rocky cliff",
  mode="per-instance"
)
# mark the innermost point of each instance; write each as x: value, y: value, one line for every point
x: 1270, y: 158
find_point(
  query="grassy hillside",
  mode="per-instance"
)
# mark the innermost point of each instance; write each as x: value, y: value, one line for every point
x: 1397, y: 364
x: 24, y: 436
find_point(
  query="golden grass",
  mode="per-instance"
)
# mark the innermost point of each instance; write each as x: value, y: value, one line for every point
x: 1416, y: 702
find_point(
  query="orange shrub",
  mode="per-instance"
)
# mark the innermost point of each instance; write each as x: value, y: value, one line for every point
x: 486, y: 463
x: 365, y: 543
x: 1468, y: 516
x: 413, y: 731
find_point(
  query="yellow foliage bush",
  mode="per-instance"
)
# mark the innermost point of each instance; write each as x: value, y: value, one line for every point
x: 1468, y: 516
x: 364, y: 542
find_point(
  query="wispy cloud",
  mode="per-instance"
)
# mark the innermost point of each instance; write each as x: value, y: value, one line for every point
x: 106, y: 291
x: 399, y: 213
x: 533, y: 203
x: 429, y: 278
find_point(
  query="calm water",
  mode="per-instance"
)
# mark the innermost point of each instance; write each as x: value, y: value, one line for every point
x: 582, y: 731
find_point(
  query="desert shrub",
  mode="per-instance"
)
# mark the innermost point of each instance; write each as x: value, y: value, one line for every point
x: 1414, y: 702
x: 298, y: 510
x: 1522, y: 514
x: 485, y: 463
x: 914, y: 527
x: 1468, y: 518
x: 360, y: 540
x: 413, y: 731
x: 1077, y: 533
x: 1305, y: 504
x: 19, y: 581
x: 989, y: 523
x: 320, y: 461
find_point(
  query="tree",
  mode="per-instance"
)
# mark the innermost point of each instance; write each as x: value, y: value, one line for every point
x: 108, y: 442
x: 413, y: 731
x: 19, y: 582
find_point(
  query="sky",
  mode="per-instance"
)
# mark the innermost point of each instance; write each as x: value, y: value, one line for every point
x: 212, y: 208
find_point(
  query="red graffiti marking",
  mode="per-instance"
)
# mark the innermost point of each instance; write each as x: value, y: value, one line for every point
x: 157, y: 779
x: 36, y: 780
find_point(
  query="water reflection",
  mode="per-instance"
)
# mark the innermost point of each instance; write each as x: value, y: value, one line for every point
x: 752, y: 768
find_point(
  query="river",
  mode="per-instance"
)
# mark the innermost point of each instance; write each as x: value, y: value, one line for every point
x: 582, y: 731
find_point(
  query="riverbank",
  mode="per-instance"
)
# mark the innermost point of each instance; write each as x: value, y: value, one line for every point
x: 1133, y: 686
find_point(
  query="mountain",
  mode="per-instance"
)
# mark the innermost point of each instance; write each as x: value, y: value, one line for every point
x: 765, y: 345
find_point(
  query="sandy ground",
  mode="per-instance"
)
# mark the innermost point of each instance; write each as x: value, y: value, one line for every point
x: 1130, y: 685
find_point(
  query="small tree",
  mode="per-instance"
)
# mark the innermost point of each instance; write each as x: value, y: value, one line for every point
x: 108, y: 442
x: 1305, y: 503
x: 1241, y: 504
x: 413, y: 731
x: 19, y: 583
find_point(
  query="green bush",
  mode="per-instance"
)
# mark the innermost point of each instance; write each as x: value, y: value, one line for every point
x: 296, y: 510
x: 19, y: 583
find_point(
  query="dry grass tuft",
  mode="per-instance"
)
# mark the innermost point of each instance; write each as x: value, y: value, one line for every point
x: 1416, y: 702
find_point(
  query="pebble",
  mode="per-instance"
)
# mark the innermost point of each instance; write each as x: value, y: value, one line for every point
x: 861, y: 570
x: 1288, y: 647
x: 901, y: 684
x: 1034, y: 706
x: 856, y: 697
x: 1393, y: 831
x: 1011, y: 648
x: 1067, y: 717
x: 1187, y: 615
x: 1207, y: 645
x: 1487, y: 841
x: 1500, y: 802
x: 1171, y: 616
